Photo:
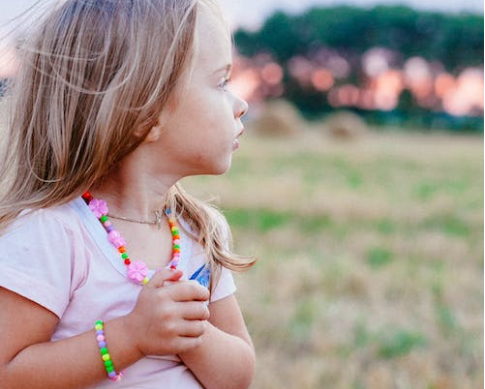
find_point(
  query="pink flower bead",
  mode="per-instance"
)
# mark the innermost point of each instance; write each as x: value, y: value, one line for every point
x: 116, y: 239
x: 98, y: 207
x: 137, y: 271
x: 100, y: 338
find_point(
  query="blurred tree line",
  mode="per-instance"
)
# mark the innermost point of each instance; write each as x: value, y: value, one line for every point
x: 456, y: 41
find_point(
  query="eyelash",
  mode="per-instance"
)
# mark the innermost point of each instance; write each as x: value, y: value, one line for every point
x: 225, y: 84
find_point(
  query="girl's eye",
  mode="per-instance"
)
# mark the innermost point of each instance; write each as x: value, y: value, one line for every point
x: 225, y: 84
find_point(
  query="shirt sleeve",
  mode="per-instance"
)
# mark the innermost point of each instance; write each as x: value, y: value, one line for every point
x: 225, y: 286
x: 36, y: 260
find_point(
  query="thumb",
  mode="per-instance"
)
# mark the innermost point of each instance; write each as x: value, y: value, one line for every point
x: 162, y: 275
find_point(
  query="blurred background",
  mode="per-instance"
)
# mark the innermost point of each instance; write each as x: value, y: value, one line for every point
x: 359, y: 187
x: 391, y: 64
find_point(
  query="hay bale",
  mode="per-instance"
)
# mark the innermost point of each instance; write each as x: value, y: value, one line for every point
x: 345, y: 125
x: 278, y: 118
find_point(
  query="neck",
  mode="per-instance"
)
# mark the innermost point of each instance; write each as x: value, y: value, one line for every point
x: 133, y: 194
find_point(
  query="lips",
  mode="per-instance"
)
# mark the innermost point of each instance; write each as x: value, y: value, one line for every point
x: 235, y: 142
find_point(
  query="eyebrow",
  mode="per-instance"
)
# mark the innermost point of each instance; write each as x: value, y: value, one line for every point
x: 226, y: 68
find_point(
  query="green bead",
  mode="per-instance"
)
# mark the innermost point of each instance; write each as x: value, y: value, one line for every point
x: 176, y: 246
x: 103, y: 219
x: 103, y: 350
x: 109, y: 369
x: 108, y: 363
x: 124, y: 255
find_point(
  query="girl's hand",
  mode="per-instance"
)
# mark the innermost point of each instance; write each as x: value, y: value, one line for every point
x: 169, y: 317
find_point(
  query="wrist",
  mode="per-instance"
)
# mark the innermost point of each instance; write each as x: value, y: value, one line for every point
x: 130, y: 337
x: 104, y: 352
x: 123, y: 348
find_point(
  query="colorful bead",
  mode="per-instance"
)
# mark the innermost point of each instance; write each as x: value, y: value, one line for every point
x: 103, y: 351
x: 116, y: 239
x: 98, y: 207
x: 87, y: 197
x: 137, y: 271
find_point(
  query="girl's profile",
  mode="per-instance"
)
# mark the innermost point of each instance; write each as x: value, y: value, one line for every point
x: 110, y: 270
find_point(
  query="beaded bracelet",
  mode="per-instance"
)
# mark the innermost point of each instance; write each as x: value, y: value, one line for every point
x: 103, y: 350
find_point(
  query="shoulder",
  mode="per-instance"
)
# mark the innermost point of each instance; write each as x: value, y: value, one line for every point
x: 55, y: 234
x: 45, y: 223
x: 41, y: 256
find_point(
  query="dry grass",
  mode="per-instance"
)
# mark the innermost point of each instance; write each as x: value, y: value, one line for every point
x: 370, y: 273
x: 371, y: 259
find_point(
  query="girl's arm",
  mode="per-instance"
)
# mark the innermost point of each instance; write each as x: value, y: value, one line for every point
x: 225, y: 358
x: 29, y: 360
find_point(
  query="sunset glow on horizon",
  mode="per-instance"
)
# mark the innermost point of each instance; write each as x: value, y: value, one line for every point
x: 431, y: 86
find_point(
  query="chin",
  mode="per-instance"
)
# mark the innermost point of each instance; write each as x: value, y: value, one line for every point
x: 212, y: 171
x: 222, y: 168
x: 222, y: 171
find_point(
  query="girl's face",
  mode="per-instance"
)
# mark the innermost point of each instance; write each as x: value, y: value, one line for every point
x: 200, y: 135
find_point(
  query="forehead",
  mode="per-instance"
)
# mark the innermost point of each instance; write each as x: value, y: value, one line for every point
x: 213, y: 38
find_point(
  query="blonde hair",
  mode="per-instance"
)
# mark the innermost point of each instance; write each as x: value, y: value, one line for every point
x: 95, y: 76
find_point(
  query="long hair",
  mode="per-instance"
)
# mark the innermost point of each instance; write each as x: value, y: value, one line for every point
x: 95, y: 75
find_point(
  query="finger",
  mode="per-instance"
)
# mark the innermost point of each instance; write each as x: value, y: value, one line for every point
x: 188, y: 291
x: 192, y: 328
x: 187, y: 343
x: 194, y: 310
x: 163, y: 275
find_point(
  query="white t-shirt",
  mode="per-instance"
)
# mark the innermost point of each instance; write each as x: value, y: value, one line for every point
x: 61, y: 259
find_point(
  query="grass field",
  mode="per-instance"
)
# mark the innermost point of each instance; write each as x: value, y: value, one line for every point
x: 370, y: 272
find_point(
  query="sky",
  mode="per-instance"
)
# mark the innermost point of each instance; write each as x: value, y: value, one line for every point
x: 251, y: 13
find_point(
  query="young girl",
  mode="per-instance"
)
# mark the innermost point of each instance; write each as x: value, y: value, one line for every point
x: 109, y: 270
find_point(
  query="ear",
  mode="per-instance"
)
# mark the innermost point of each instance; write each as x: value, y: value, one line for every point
x: 157, y: 129
x: 154, y: 133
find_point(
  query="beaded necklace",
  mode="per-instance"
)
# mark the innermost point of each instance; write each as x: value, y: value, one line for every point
x: 136, y: 271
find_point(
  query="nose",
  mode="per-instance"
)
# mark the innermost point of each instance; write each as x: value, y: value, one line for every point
x: 240, y: 108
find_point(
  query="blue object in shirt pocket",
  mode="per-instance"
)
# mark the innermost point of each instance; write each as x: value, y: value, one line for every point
x: 202, y: 276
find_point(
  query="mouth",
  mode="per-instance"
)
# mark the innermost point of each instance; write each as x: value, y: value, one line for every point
x: 235, y: 142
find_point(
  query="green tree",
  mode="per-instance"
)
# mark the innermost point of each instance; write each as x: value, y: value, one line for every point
x: 454, y: 40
